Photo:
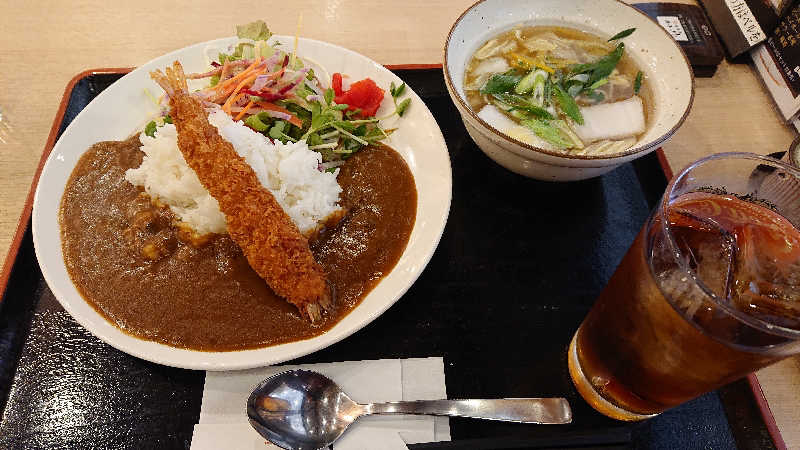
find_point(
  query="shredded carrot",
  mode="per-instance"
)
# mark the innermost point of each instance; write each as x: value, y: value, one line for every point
x: 244, y: 111
x: 227, y: 91
x: 294, y: 120
x: 247, y: 81
x: 233, y: 99
x: 529, y: 63
x: 544, y: 67
x: 278, y: 74
x: 233, y: 80
x: 240, y: 75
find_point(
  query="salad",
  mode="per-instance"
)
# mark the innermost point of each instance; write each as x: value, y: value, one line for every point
x: 276, y: 93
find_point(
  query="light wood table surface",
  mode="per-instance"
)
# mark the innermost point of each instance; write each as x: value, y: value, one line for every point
x: 44, y: 44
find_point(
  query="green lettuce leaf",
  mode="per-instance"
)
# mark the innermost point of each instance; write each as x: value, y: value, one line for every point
x: 256, y: 31
x: 150, y: 129
x: 255, y: 123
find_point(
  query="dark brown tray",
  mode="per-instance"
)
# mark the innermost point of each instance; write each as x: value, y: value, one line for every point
x: 518, y: 266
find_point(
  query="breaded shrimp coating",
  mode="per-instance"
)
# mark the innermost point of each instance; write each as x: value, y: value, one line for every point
x: 269, y: 239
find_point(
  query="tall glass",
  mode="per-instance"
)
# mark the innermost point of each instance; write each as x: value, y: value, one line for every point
x: 708, y: 292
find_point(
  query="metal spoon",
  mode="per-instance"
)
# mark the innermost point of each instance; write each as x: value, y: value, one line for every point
x: 305, y: 410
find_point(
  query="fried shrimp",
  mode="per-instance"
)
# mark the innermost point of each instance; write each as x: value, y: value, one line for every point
x: 269, y: 239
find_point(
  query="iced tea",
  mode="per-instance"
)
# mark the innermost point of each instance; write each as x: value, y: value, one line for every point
x: 709, y: 291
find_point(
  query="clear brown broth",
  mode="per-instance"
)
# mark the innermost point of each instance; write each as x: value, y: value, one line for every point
x: 626, y: 66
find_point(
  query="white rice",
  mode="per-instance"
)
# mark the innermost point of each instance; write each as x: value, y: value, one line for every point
x: 289, y: 171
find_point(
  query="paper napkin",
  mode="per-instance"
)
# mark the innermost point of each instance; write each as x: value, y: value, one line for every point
x: 223, y: 420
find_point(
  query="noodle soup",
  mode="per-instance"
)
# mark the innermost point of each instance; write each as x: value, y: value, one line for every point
x: 559, y: 89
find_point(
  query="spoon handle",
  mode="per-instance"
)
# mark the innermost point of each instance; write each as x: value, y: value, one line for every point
x: 524, y: 410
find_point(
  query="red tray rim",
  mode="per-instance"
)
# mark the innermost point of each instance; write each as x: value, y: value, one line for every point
x: 22, y: 224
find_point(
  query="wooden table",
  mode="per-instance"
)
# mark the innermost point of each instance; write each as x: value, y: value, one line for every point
x: 46, y: 43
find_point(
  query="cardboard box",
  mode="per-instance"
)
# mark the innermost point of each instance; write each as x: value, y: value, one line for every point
x: 741, y: 24
x: 690, y: 27
x: 778, y: 62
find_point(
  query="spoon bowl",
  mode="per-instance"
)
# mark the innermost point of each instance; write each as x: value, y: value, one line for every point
x: 305, y: 410
x: 301, y: 410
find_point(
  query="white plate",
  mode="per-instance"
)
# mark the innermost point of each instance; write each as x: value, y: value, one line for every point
x: 123, y: 108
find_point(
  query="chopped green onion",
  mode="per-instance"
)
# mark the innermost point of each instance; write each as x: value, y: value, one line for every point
x: 622, y: 34
x: 539, y: 86
x: 637, y: 83
x: 527, y: 82
x: 574, y: 89
x: 500, y: 82
x: 597, y: 84
x: 567, y: 104
x: 567, y: 131
x: 601, y: 68
x: 546, y: 132
x: 511, y: 102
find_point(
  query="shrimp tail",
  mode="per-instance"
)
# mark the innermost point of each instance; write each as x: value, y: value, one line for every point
x: 173, y: 81
x: 326, y: 302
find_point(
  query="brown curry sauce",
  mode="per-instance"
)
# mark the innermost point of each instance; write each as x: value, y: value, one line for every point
x: 137, y: 269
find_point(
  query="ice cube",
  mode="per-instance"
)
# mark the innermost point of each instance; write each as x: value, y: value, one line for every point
x: 709, y: 251
x: 766, y: 279
x: 751, y: 267
x: 708, y: 248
